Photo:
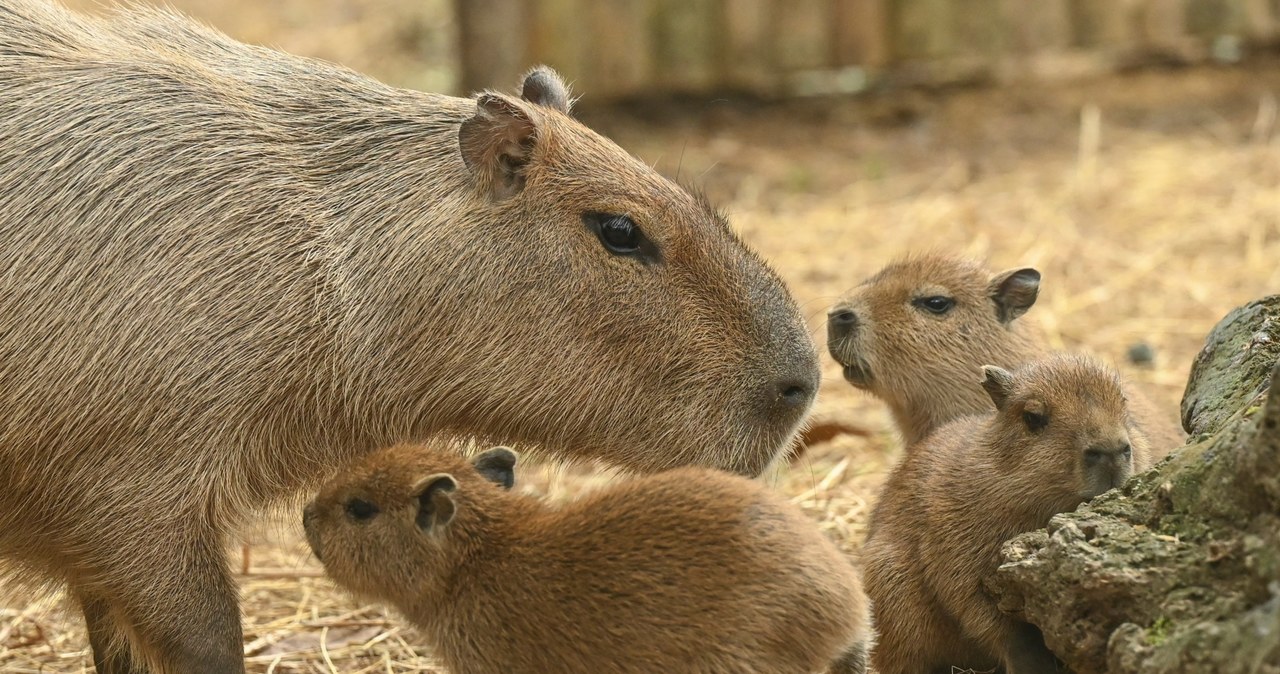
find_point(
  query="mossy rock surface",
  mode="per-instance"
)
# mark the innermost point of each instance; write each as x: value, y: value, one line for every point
x: 1178, y: 571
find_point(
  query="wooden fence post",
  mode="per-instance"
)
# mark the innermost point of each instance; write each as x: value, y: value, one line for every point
x: 492, y: 43
x: 747, y: 56
x: 860, y: 33
x: 687, y: 44
x: 620, y: 58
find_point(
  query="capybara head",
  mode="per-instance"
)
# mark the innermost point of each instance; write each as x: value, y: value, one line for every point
x: 1065, y: 419
x: 914, y: 334
x: 597, y: 308
x: 421, y: 504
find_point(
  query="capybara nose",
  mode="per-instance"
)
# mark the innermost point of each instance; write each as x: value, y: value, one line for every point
x: 1116, y: 453
x: 795, y: 393
x: 1112, y: 461
x: 308, y: 517
x: 841, y: 321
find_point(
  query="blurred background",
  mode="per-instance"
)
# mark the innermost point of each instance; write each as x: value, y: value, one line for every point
x: 1126, y: 148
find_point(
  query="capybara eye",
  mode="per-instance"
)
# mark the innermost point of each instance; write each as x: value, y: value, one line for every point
x: 1035, y: 422
x: 361, y: 510
x: 936, y: 304
x: 618, y: 233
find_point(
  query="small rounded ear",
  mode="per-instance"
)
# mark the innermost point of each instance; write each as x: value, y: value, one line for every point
x: 435, y: 500
x: 497, y: 144
x: 998, y: 383
x: 497, y: 465
x: 1014, y: 292
x: 543, y: 86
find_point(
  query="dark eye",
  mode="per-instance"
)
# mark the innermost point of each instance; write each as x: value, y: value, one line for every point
x: 937, y: 304
x: 361, y: 510
x: 1034, y: 421
x: 621, y: 236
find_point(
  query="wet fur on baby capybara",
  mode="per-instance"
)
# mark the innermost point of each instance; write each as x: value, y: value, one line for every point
x: 226, y: 271
x: 690, y: 570
x: 1061, y: 434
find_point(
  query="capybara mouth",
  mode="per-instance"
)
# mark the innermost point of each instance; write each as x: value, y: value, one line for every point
x: 856, y: 370
x: 859, y: 375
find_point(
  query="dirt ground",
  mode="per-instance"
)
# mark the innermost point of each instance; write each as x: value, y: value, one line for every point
x: 1146, y: 233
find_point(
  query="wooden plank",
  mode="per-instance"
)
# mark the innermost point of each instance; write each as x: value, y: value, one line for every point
x: 747, y: 56
x: 860, y: 33
x: 558, y: 34
x: 1035, y: 38
x: 1164, y: 24
x: 920, y: 29
x: 621, y: 48
x: 1035, y: 27
x: 686, y: 41
x: 978, y: 27
x: 492, y: 43
x: 802, y: 35
x: 1260, y: 20
x: 1102, y: 23
x: 1208, y: 18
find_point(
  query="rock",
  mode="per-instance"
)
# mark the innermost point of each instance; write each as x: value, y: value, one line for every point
x: 1141, y: 354
x: 1179, y: 570
x: 1233, y: 366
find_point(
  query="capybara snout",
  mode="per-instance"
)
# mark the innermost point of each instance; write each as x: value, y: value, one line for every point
x: 1107, y: 466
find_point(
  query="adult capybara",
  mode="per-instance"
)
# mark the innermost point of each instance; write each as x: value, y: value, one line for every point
x: 225, y: 271
x: 1060, y: 435
x: 688, y: 571
x: 915, y: 333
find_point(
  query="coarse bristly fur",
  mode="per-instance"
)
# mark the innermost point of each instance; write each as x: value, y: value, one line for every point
x: 1061, y: 434
x: 924, y: 363
x: 687, y: 571
x: 226, y: 271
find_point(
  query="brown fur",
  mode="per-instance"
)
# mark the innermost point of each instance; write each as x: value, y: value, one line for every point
x: 923, y: 365
x: 690, y: 570
x: 973, y: 484
x: 225, y: 270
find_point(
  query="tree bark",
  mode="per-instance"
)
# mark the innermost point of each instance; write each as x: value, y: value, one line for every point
x: 1178, y: 571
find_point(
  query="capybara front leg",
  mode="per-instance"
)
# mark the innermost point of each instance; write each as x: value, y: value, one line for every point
x: 1027, y: 653
x: 112, y: 653
x: 186, y: 620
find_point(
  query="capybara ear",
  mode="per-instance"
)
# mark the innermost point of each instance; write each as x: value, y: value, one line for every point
x: 543, y: 86
x: 435, y: 500
x: 498, y: 466
x: 1014, y: 292
x: 497, y: 143
x: 998, y: 383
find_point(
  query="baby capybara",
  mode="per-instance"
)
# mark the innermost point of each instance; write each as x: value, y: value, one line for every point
x: 225, y: 271
x: 1061, y: 433
x: 690, y: 570
x: 915, y: 333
